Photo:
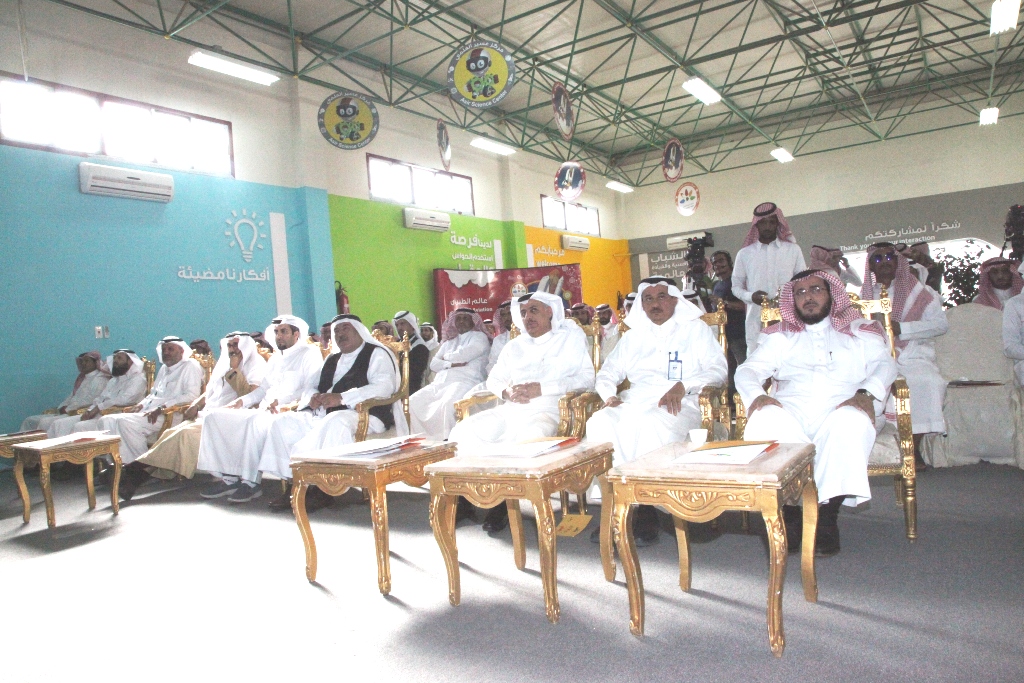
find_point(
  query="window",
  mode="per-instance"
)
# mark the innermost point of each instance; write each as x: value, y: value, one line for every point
x: 570, y: 217
x: 402, y: 183
x: 53, y: 117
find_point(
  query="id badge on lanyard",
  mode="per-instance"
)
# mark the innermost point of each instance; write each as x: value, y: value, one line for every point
x: 675, y: 367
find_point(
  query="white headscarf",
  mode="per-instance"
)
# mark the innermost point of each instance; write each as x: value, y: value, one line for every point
x: 253, y: 366
x: 637, y: 318
x: 555, y: 303
x: 433, y: 342
x: 186, y: 350
x: 396, y: 408
x: 292, y: 320
x: 409, y: 317
x: 137, y: 364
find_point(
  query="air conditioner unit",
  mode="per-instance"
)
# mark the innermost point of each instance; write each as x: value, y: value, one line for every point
x: 675, y: 243
x: 422, y: 219
x: 112, y: 181
x: 575, y: 243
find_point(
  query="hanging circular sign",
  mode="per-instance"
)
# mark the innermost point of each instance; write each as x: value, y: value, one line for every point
x: 687, y: 199
x: 672, y: 160
x: 348, y: 120
x: 481, y: 74
x: 570, y: 180
x: 444, y: 144
x: 565, y: 119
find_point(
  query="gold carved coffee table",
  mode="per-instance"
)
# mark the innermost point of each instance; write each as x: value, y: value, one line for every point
x: 9, y: 441
x: 488, y: 481
x: 78, y: 451
x: 699, y: 493
x: 372, y: 474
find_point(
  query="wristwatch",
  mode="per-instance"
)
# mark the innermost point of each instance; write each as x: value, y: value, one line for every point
x: 865, y: 392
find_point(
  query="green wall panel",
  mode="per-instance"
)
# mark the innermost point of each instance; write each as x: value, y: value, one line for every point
x: 386, y: 267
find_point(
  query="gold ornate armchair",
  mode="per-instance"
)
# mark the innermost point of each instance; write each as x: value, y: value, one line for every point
x: 207, y: 362
x: 401, y: 350
x: 884, y: 459
x: 593, y: 332
x: 148, y: 367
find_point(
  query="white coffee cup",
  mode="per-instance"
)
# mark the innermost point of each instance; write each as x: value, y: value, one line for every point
x: 698, y: 437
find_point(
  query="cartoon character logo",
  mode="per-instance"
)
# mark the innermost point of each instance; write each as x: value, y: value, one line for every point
x: 348, y: 128
x: 347, y: 120
x: 481, y: 83
x: 480, y: 75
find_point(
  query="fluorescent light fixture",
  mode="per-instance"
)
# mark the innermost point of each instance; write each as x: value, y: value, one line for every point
x: 492, y: 146
x: 989, y: 116
x: 618, y: 187
x: 702, y: 91
x: 224, y: 66
x: 783, y: 156
x: 1004, y: 16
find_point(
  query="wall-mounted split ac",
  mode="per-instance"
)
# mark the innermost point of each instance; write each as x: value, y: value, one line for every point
x: 574, y: 243
x: 111, y: 181
x: 424, y: 219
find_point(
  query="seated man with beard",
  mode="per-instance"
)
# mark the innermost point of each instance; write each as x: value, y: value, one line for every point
x: 92, y: 379
x: 126, y: 387
x: 830, y: 366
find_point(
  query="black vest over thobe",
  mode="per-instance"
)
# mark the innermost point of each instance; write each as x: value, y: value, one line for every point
x: 355, y: 377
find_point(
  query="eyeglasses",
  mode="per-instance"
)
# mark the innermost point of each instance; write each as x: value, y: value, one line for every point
x: 887, y: 256
x: 813, y: 289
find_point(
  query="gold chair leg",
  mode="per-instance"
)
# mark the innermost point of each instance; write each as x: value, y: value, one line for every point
x: 745, y: 521
x: 564, y: 496
x: 581, y: 502
x: 898, y: 483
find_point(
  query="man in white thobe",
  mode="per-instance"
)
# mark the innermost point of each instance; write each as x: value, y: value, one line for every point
x: 668, y: 356
x: 627, y: 303
x: 126, y: 387
x: 998, y: 282
x: 179, y: 380
x: 917, y: 318
x: 1013, y: 333
x: 830, y: 367
x: 547, y: 360
x: 361, y: 369
x: 502, y: 330
x: 233, y: 437
x: 610, y: 325
x: 768, y: 259
x: 406, y: 325
x: 238, y: 372
x: 93, y: 376
x: 832, y: 260
x: 458, y: 365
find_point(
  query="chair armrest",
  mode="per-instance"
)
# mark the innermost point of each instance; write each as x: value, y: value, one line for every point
x: 168, y: 413
x: 583, y: 406
x: 710, y: 401
x: 901, y: 397
x: 50, y: 411
x: 462, y: 406
x: 113, y: 410
x: 741, y: 416
x: 363, y: 411
x: 288, y: 407
x: 565, y: 421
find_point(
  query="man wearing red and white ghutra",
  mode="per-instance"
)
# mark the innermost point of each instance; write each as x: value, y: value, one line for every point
x: 830, y: 367
x: 768, y: 259
x: 998, y: 282
x: 917, y: 318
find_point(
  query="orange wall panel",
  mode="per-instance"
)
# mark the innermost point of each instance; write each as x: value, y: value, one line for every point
x: 605, y: 267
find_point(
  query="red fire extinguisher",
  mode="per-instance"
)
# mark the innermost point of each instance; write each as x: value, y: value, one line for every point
x: 341, y: 298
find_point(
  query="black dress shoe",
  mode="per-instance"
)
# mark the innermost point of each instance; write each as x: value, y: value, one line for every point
x: 133, y: 476
x: 793, y: 518
x: 645, y: 526
x: 496, y: 520
x: 595, y: 535
x: 317, y: 499
x: 826, y: 541
x: 284, y: 501
x: 464, y: 510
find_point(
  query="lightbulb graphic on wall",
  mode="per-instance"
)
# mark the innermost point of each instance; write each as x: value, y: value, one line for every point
x: 245, y: 233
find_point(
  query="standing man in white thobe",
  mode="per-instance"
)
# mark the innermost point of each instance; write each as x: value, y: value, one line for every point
x: 92, y: 379
x: 361, y: 369
x: 768, y: 259
x: 126, y: 387
x: 668, y: 356
x: 179, y: 380
x: 830, y: 366
x: 233, y: 437
x: 239, y: 370
x: 917, y: 318
x: 458, y: 365
x: 610, y: 325
x: 546, y: 361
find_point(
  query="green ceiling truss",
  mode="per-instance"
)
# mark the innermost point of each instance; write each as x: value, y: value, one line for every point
x: 809, y: 75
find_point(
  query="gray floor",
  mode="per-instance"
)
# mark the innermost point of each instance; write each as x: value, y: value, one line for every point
x: 179, y: 588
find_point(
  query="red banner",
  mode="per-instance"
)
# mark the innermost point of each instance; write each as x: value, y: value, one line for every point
x: 485, y: 290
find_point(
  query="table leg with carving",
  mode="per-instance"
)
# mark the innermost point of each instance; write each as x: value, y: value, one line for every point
x: 772, y: 513
x: 90, y: 488
x: 515, y: 525
x: 810, y: 504
x: 302, y: 519
x: 607, y: 545
x: 442, y: 520
x: 548, y: 555
x: 115, y: 454
x: 683, y: 541
x: 910, y: 506
x: 623, y: 531
x: 44, y: 481
x: 379, y: 513
x: 26, y: 500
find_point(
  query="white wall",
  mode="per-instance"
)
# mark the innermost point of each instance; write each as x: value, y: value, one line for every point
x: 276, y: 140
x: 965, y: 158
